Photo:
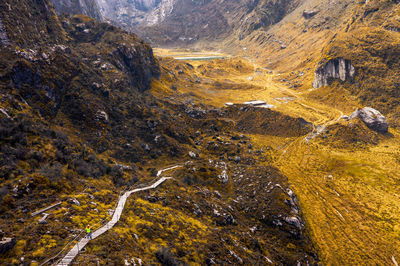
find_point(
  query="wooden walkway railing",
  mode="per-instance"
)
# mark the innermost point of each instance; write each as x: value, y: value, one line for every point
x: 70, y: 256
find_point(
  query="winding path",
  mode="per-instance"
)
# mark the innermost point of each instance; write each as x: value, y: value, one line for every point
x: 70, y: 256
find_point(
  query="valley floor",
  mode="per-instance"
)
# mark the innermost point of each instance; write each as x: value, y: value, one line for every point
x: 349, y: 191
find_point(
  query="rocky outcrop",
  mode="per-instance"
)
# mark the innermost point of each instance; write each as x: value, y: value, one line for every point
x: 3, y: 35
x: 85, y: 7
x: 139, y: 63
x: 372, y: 118
x: 337, y: 68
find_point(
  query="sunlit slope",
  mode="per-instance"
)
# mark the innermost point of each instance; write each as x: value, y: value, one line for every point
x: 237, y: 80
x: 348, y: 185
x: 350, y: 197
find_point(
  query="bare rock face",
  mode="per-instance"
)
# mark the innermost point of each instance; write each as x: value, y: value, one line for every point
x: 134, y: 12
x: 337, y: 68
x: 139, y: 63
x: 372, y: 118
x: 187, y: 21
x: 85, y: 7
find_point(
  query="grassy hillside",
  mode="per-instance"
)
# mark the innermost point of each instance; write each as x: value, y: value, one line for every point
x: 79, y: 125
x: 346, y: 176
x: 372, y: 42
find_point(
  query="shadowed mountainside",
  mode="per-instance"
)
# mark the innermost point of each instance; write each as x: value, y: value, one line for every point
x: 86, y: 7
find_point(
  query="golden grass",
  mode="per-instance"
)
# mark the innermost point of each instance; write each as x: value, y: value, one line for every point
x: 350, y: 198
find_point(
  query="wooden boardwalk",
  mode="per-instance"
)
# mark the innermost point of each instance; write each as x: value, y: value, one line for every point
x: 117, y: 214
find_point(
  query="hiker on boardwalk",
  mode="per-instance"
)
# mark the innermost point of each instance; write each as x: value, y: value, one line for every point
x: 89, y: 232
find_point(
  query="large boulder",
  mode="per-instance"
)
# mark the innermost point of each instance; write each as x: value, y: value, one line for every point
x: 372, y: 118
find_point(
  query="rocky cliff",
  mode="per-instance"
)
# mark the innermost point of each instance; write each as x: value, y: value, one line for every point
x: 184, y: 21
x: 338, y: 68
x: 85, y: 7
x: 128, y: 14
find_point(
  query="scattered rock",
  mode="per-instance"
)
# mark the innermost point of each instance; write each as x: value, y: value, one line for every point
x: 372, y: 118
x: 193, y: 155
x: 63, y: 48
x: 96, y: 86
x: 90, y: 196
x: 75, y: 201
x: 253, y: 229
x: 210, y: 261
x: 101, y: 116
x: 237, y: 159
x: 5, y: 113
x: 217, y: 194
x: 223, y: 177
x: 106, y: 66
x: 307, y: 14
x: 6, y: 244
x: 197, y: 210
x: 392, y: 28
x: 216, y: 213
x: 238, y: 259
x: 229, y: 220
x: 146, y: 147
x: 294, y: 221
x: 196, y: 112
x: 123, y: 167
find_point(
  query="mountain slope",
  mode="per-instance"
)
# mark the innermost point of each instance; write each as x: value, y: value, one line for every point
x: 363, y: 33
x: 371, y: 41
x: 78, y: 125
x: 179, y: 22
x: 291, y: 36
